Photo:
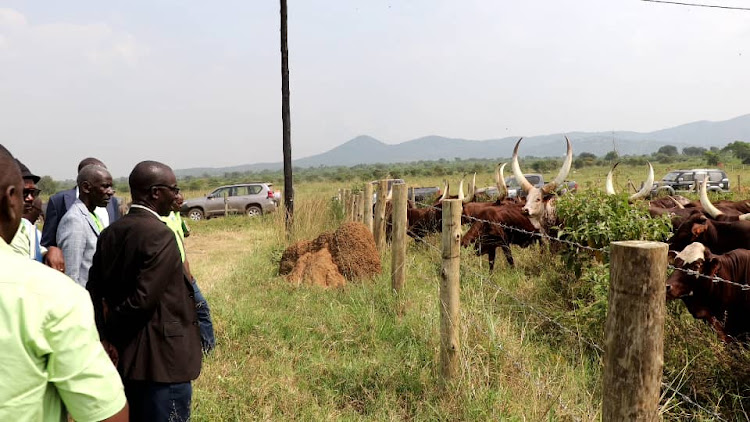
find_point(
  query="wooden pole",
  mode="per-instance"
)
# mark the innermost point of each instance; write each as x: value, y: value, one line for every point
x: 352, y: 206
x: 226, y: 205
x: 634, y: 344
x: 347, y: 204
x: 379, y: 224
x: 367, y: 207
x: 358, y: 207
x: 286, y: 124
x: 398, y: 238
x: 449, y: 289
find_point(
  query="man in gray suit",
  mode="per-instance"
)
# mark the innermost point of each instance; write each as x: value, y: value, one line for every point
x: 79, y: 228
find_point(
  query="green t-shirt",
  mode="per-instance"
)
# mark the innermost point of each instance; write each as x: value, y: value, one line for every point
x: 174, y: 222
x: 52, y: 358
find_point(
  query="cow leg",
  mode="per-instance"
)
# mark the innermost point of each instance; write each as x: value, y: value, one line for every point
x: 491, y: 256
x: 508, y: 254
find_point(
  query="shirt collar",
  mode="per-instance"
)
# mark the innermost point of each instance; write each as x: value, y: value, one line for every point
x: 147, y: 209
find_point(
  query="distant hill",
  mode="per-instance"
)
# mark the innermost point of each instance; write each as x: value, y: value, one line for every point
x: 368, y: 150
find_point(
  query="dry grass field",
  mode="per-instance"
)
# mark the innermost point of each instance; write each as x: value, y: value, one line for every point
x: 359, y: 353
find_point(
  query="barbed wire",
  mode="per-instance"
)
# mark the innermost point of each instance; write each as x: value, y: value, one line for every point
x: 577, y: 335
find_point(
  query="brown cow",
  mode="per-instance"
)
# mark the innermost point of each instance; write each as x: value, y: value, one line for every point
x: 500, y: 226
x: 722, y: 305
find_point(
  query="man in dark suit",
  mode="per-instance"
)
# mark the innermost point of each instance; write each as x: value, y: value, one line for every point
x: 61, y: 202
x: 143, y: 301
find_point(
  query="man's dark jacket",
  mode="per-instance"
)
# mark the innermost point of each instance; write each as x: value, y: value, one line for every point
x: 150, y: 312
x: 58, y: 205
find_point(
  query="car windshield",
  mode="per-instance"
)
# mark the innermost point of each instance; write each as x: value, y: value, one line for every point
x: 671, y: 176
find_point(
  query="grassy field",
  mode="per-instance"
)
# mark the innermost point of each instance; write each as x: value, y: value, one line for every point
x: 359, y: 353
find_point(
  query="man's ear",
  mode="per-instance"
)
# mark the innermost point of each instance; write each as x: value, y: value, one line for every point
x: 85, y: 187
x: 10, y: 211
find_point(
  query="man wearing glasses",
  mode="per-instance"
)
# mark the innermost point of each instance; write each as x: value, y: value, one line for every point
x: 144, y: 301
x: 27, y: 239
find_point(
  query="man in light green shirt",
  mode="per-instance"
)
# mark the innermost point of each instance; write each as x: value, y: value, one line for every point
x: 52, y: 360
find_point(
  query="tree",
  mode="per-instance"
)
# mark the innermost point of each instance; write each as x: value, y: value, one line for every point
x: 611, y: 156
x: 47, y: 185
x: 712, y: 158
x: 669, y: 150
x: 693, y: 151
x: 740, y: 150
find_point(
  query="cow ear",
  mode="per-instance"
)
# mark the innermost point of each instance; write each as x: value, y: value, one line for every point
x: 671, y: 257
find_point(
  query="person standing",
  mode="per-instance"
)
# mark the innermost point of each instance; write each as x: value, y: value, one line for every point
x: 60, y: 202
x: 175, y: 222
x: 52, y: 360
x: 143, y: 301
x: 79, y: 228
x: 26, y: 241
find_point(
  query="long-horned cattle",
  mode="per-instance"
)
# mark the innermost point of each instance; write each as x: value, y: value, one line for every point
x: 721, y: 304
x: 540, y: 202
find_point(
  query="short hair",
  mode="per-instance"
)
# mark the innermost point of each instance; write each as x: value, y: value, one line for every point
x: 90, y: 171
x: 145, y: 174
x: 89, y: 161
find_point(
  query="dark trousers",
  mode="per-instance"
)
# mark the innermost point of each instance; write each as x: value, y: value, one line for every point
x: 158, y: 402
x: 208, y: 341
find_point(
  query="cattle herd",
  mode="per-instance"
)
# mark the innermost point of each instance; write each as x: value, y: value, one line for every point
x: 708, y: 247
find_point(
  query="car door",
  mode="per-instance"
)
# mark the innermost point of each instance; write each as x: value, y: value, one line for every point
x: 238, y: 199
x: 215, y: 201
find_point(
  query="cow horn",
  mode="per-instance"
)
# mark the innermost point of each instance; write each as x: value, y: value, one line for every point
x: 609, y: 187
x: 525, y: 184
x: 676, y: 202
x: 472, y: 189
x: 707, y: 205
x: 389, y: 195
x: 745, y: 217
x: 461, y: 190
x: 502, y: 190
x: 646, y: 186
x: 445, y: 191
x: 564, y: 170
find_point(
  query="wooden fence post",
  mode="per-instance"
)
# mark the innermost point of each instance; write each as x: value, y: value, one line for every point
x: 352, y: 206
x: 347, y: 204
x: 739, y: 185
x: 357, y: 213
x: 398, y: 238
x: 226, y: 205
x: 379, y: 224
x: 367, y: 206
x: 449, y: 288
x: 634, y: 344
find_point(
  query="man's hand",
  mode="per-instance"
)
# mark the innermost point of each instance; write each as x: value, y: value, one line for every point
x: 111, y: 350
x: 54, y: 258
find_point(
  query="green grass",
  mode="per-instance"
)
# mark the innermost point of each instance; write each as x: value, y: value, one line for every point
x: 361, y: 353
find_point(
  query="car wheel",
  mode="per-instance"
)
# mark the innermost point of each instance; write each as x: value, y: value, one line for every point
x: 253, y: 210
x: 195, y: 214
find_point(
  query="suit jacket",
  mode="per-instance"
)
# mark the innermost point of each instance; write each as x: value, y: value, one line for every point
x: 76, y: 236
x: 58, y: 204
x: 143, y: 300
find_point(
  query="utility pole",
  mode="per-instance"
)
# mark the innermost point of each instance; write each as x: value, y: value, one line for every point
x: 287, y: 128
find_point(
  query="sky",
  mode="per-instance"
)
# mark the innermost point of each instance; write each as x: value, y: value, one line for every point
x: 198, y: 84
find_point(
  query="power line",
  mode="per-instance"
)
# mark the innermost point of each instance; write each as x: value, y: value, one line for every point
x: 698, y: 5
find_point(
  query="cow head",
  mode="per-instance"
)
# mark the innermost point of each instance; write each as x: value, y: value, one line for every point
x: 539, y: 207
x: 645, y: 189
x: 695, y: 257
x: 690, y: 230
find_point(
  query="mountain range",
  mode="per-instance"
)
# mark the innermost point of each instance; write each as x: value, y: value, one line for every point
x: 368, y: 150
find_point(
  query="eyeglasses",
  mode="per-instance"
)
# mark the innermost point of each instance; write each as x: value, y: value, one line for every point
x: 175, y: 190
x: 32, y: 192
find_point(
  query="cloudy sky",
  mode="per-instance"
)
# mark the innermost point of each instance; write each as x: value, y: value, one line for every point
x: 197, y: 83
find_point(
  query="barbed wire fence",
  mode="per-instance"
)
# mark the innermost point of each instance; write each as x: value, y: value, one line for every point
x: 575, y: 334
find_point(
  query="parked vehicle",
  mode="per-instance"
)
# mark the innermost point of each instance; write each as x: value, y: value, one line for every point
x: 245, y: 198
x: 684, y: 180
x: 536, y: 179
x: 424, y: 194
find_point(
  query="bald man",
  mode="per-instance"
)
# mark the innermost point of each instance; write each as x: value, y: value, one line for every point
x: 143, y: 301
x: 52, y: 359
x: 79, y: 228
